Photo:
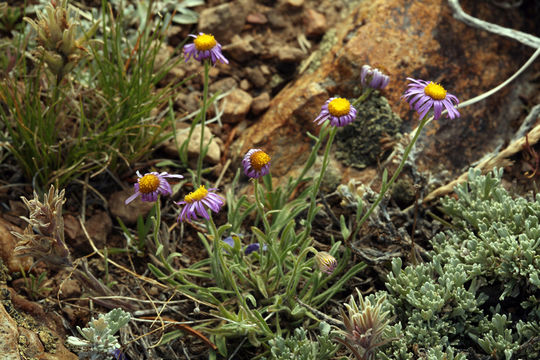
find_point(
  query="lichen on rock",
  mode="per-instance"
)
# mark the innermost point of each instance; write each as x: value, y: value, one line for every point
x: 361, y: 143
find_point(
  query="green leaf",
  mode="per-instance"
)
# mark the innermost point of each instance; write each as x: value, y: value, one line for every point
x: 345, y: 232
x: 261, y: 284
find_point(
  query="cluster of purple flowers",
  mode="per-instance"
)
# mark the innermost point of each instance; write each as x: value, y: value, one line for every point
x: 152, y: 184
x: 423, y: 96
x: 256, y: 163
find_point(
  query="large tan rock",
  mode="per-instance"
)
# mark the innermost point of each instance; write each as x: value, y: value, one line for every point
x: 24, y: 337
x: 407, y: 38
x: 10, y: 336
x: 8, y: 243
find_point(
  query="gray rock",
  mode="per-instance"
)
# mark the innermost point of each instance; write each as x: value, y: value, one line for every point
x: 260, y: 103
x: 223, y: 21
x: 256, y: 77
x: 190, y: 102
x: 223, y: 85
x: 237, y: 105
x: 241, y: 48
x: 287, y: 53
x: 214, y: 151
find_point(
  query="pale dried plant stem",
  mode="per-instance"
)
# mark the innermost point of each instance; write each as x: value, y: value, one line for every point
x: 140, y: 277
x: 524, y: 38
x: 533, y: 137
x: 516, y: 146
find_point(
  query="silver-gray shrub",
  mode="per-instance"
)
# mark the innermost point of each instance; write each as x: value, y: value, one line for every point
x: 99, y: 341
x: 479, y: 292
x: 299, y: 346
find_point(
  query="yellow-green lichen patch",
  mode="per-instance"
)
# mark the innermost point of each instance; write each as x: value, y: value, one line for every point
x: 48, y: 340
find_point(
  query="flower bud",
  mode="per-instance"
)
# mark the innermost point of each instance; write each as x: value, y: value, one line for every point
x: 326, y: 262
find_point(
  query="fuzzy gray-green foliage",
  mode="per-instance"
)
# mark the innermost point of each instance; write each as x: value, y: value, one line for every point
x: 299, y: 347
x: 99, y: 340
x: 499, y: 240
x: 480, y: 290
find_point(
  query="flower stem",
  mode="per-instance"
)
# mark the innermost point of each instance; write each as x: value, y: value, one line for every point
x: 260, y: 206
x: 315, y: 189
x: 388, y: 185
x: 198, y: 180
x: 363, y: 97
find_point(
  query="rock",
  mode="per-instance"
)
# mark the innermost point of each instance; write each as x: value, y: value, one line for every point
x: 236, y: 106
x: 256, y: 18
x: 8, y: 243
x: 99, y: 227
x: 213, y: 154
x: 173, y: 31
x: 213, y: 73
x: 294, y: 3
x: 177, y: 72
x: 245, y: 85
x: 31, y: 343
x: 72, y: 227
x: 240, y: 48
x: 223, y: 21
x: 265, y: 70
x: 286, y: 53
x: 435, y: 47
x: 190, y: 102
x: 70, y: 288
x: 10, y: 336
x: 260, y: 103
x: 276, y: 19
x: 128, y: 213
x: 314, y: 23
x: 256, y: 77
x: 24, y: 337
x: 275, y: 81
x: 378, y: 123
x: 223, y: 85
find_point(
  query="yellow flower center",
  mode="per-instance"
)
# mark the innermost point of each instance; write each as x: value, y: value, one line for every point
x: 339, y: 107
x: 204, y: 42
x: 435, y: 91
x: 148, y: 183
x: 259, y: 159
x: 196, y: 195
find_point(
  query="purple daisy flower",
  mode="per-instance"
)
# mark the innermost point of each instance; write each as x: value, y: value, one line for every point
x: 196, y: 201
x: 326, y: 262
x: 203, y: 47
x: 152, y: 184
x: 423, y: 96
x: 118, y: 354
x: 229, y: 240
x: 256, y: 163
x: 338, y: 110
x: 373, y: 78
